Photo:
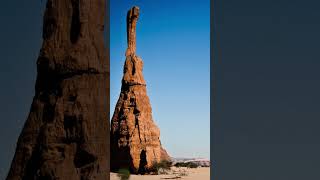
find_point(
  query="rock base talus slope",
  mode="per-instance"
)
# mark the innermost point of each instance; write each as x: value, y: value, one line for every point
x: 135, y: 138
x: 66, y: 135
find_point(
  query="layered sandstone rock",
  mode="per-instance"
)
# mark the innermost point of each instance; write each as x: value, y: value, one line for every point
x: 66, y: 135
x: 135, y: 142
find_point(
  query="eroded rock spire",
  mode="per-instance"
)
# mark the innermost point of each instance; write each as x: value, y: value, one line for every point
x: 135, y: 138
x: 66, y: 135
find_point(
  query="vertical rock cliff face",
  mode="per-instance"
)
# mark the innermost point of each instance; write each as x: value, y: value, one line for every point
x: 135, y: 142
x: 66, y: 135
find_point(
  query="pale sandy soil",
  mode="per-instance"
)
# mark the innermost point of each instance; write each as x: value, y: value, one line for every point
x: 202, y: 173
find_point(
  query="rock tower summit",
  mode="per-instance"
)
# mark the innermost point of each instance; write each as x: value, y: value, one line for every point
x: 132, y: 18
x: 135, y: 138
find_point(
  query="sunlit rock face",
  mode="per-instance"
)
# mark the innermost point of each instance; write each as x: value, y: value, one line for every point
x: 135, y: 138
x: 66, y: 135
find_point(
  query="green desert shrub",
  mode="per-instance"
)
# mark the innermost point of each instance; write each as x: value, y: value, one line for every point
x: 186, y: 164
x: 192, y: 165
x: 161, y: 167
x: 124, y: 174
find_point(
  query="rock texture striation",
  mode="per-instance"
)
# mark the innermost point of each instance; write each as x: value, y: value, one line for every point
x: 135, y: 142
x: 66, y: 135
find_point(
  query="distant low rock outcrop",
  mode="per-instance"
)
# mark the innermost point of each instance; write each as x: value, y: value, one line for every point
x: 135, y: 139
x: 196, y: 161
x: 66, y: 135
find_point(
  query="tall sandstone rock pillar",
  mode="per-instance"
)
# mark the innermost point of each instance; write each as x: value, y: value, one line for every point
x: 66, y: 135
x: 135, y: 139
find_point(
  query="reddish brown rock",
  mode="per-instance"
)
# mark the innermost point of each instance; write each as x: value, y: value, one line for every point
x: 135, y: 138
x: 66, y: 135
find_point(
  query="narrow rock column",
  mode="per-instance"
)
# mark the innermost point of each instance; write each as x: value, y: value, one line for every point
x: 135, y: 138
x: 132, y: 18
x: 66, y: 135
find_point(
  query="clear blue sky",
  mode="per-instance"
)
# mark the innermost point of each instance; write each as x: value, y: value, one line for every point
x: 173, y: 39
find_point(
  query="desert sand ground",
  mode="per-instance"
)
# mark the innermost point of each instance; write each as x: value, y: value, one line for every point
x: 202, y: 173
